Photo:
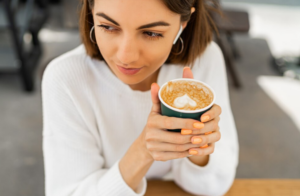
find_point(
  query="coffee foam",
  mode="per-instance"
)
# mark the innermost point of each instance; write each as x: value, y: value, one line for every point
x: 181, y: 102
x: 195, y: 91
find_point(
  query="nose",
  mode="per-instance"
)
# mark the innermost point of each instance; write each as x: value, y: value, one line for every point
x: 128, y: 50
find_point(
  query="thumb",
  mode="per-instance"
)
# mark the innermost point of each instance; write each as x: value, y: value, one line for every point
x: 187, y: 73
x: 154, y: 96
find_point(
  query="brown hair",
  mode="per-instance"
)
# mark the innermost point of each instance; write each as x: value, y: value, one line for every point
x: 196, y: 36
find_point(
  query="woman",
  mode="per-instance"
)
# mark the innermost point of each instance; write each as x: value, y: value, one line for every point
x: 103, y: 131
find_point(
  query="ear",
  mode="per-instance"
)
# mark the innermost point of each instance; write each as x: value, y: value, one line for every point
x: 184, y: 25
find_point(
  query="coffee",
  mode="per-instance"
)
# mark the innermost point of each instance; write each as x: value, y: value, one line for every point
x: 186, y: 95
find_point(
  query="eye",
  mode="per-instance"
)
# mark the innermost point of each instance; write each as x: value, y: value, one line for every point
x: 149, y: 35
x: 108, y: 29
x: 153, y: 36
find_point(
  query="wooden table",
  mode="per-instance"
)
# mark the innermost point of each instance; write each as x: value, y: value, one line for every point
x: 240, y: 187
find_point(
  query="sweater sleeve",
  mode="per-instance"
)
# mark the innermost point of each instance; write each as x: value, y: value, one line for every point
x: 218, y: 175
x: 73, y: 162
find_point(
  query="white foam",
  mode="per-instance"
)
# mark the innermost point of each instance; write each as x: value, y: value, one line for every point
x: 183, y: 101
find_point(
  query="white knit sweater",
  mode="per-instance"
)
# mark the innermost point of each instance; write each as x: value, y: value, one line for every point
x: 91, y: 118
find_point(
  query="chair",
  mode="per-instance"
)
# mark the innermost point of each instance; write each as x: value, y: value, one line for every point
x: 21, y: 18
x: 232, y: 21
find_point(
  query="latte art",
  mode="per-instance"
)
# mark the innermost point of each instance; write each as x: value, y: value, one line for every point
x: 186, y: 95
x: 184, y: 101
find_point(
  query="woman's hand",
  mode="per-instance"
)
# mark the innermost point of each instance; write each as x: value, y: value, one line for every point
x: 163, y: 145
x: 207, y: 136
x: 155, y: 143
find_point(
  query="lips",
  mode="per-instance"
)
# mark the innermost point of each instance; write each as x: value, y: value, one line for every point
x: 129, y: 71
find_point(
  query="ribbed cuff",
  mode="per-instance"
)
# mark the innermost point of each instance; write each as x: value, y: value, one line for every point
x: 113, y: 184
x: 192, y: 167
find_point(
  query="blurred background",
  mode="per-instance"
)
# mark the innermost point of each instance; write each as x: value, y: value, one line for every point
x: 260, y: 40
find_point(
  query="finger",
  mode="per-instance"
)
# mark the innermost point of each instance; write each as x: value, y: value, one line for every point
x: 204, y: 146
x: 163, y: 146
x: 165, y: 122
x: 154, y: 96
x: 202, y: 151
x: 187, y: 73
x: 211, y: 114
x: 208, y: 127
x: 167, y: 136
x: 165, y: 156
x: 206, y: 139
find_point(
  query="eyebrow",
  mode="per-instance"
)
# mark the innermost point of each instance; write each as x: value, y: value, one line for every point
x: 154, y: 24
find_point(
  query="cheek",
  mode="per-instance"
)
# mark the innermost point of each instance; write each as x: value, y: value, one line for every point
x: 158, y: 55
x: 105, y: 46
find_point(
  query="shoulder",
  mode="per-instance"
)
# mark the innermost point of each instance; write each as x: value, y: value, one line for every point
x: 211, y: 58
x: 210, y: 64
x: 69, y: 60
x: 212, y: 48
x: 67, y: 67
x: 212, y: 53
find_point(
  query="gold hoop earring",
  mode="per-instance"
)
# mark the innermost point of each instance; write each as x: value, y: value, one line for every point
x: 91, y: 38
x: 182, y: 47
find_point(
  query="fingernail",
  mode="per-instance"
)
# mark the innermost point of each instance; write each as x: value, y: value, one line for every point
x: 186, y: 68
x: 197, y: 140
x: 186, y: 131
x: 205, y: 146
x: 193, y: 152
x: 198, y: 125
x: 205, y: 118
x: 208, y: 133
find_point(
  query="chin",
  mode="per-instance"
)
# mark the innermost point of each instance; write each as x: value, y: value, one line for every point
x: 130, y: 80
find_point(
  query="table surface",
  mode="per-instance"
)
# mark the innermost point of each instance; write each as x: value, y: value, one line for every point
x: 245, y: 187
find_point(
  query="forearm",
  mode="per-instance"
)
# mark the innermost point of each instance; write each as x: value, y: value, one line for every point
x: 199, y: 160
x: 135, y: 164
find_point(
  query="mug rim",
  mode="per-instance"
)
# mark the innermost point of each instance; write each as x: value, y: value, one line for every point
x: 187, y: 111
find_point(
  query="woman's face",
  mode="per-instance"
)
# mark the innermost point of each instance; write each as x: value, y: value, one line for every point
x: 134, y: 34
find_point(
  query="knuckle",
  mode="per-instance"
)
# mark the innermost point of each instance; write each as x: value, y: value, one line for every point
x: 183, y: 154
x: 150, y: 123
x: 215, y: 126
x: 212, y: 150
x: 187, y: 123
x: 178, y: 148
x: 205, y: 140
x: 150, y: 146
x: 168, y: 123
x: 148, y: 136
x: 157, y: 156
x: 213, y: 113
x: 218, y: 136
x: 200, y: 152
x: 179, y: 139
x: 220, y: 109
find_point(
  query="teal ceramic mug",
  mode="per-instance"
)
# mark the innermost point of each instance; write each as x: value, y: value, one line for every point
x: 167, y: 110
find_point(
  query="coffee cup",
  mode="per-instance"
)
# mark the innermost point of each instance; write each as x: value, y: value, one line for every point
x: 185, y: 98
